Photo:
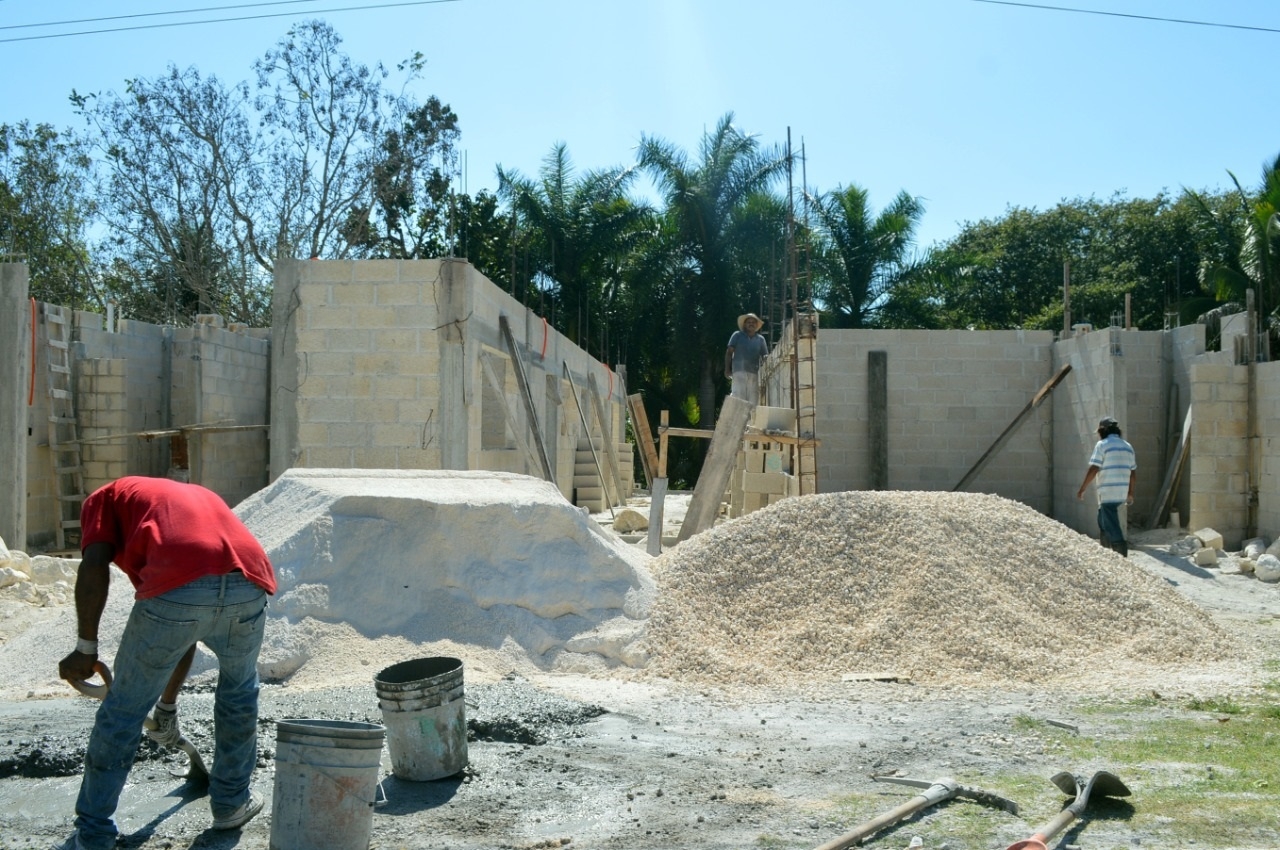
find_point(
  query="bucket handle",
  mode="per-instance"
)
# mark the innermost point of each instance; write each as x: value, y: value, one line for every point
x: 380, y: 798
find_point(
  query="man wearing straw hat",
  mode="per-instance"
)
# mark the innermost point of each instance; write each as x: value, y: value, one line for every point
x: 746, y: 350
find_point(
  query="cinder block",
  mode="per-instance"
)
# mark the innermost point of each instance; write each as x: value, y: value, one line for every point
x: 764, y: 482
x: 774, y: 418
x: 753, y: 460
x: 753, y: 502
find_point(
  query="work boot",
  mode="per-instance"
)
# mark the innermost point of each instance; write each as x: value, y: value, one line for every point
x: 1122, y: 548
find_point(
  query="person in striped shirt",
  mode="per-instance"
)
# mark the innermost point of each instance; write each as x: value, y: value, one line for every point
x: 1115, y: 467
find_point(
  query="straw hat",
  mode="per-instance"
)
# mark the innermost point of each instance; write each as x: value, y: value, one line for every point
x: 745, y: 316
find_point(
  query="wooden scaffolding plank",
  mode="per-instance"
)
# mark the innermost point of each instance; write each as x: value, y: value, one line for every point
x: 640, y: 425
x: 708, y: 493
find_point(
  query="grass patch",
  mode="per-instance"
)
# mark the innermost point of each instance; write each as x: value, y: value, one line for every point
x: 1202, y: 771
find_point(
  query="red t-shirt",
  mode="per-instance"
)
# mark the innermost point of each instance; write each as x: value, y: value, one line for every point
x: 166, y: 533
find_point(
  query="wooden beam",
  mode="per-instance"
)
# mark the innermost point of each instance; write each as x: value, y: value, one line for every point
x: 708, y: 493
x: 522, y: 380
x: 1013, y: 426
x: 703, y: 433
x: 640, y: 425
x: 1172, y: 475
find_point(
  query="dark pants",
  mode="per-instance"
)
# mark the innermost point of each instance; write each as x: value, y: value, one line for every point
x: 1109, y: 525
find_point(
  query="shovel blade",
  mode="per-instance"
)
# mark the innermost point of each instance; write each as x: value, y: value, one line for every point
x: 1103, y: 782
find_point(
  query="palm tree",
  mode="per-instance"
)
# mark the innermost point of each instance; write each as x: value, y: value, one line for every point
x: 702, y: 201
x: 860, y: 255
x: 581, y: 229
x: 1243, y: 248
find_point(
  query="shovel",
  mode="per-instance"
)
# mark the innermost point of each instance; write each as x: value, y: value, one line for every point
x: 196, y: 771
x: 935, y: 792
x: 1102, y: 782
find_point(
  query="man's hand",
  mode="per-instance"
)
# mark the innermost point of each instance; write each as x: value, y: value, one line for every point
x: 77, y: 667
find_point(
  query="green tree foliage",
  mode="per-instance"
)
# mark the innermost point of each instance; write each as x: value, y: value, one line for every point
x: 1240, y: 238
x: 207, y: 185
x: 705, y: 201
x: 580, y: 231
x: 859, y: 256
x: 46, y: 206
x: 1009, y: 272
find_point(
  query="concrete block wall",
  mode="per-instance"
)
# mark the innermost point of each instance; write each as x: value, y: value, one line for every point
x: 377, y: 364
x: 221, y: 375
x: 146, y: 349
x: 1267, y: 387
x: 101, y: 402
x: 1219, y: 461
x: 950, y: 395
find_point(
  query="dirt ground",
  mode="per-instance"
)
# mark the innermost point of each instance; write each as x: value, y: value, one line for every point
x: 564, y: 761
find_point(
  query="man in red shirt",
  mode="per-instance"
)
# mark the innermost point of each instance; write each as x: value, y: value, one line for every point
x: 198, y: 575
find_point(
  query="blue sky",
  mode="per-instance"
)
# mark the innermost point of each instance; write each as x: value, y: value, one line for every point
x: 972, y: 106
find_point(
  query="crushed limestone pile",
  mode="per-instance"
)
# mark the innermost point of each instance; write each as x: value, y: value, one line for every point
x: 943, y: 588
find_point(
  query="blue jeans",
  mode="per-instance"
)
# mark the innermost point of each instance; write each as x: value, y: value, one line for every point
x: 227, y: 614
x: 1109, y: 522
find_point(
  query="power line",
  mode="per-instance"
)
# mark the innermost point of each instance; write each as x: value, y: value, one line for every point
x: 227, y: 20
x: 1127, y: 15
x: 155, y: 14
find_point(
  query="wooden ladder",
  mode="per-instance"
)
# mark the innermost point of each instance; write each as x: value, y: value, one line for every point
x: 64, y: 436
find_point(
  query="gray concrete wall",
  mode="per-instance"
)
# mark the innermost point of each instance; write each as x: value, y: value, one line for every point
x: 950, y: 395
x: 382, y: 364
x: 16, y: 333
x: 1268, y: 443
x: 138, y: 377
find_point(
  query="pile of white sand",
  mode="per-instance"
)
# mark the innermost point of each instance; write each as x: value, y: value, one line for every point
x: 378, y: 566
x: 941, y: 588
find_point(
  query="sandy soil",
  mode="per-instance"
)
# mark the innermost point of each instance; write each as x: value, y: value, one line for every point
x: 597, y: 763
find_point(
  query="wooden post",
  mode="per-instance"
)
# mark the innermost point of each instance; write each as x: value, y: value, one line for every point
x: 658, y: 493
x: 640, y: 424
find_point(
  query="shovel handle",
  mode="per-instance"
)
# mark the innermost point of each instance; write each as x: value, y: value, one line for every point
x: 855, y: 836
x: 91, y: 690
x: 1046, y: 832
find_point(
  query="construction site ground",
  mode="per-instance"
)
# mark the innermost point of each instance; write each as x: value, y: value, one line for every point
x: 589, y: 762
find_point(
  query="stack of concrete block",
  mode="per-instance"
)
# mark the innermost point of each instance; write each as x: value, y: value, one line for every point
x: 761, y: 476
x: 588, y: 490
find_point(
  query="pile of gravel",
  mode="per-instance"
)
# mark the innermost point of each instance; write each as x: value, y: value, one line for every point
x: 941, y: 588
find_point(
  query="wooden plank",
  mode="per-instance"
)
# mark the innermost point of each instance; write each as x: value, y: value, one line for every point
x: 708, y: 493
x: 513, y: 423
x: 640, y: 425
x: 663, y: 418
x: 1035, y: 402
x: 1172, y: 475
x: 657, y: 504
x: 703, y: 433
x: 610, y: 445
x: 523, y: 381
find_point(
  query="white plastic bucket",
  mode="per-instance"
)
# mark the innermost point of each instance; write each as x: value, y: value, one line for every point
x: 326, y: 784
x: 425, y: 715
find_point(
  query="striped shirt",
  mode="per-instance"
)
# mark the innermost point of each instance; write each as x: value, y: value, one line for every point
x: 1115, y: 460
